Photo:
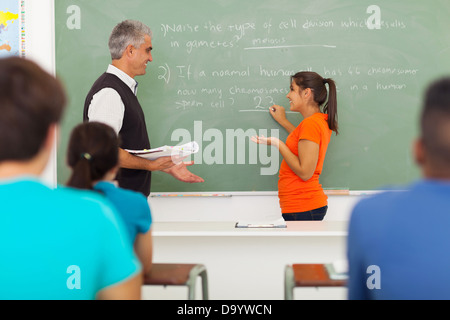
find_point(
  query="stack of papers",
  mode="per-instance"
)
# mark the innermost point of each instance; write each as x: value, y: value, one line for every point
x: 176, y: 152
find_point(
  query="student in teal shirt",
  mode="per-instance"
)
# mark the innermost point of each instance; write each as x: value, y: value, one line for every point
x: 59, y: 244
x: 94, y: 158
x: 54, y: 243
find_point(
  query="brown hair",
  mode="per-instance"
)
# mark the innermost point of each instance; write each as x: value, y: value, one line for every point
x: 435, y: 122
x: 30, y: 101
x: 93, y: 150
x: 327, y: 100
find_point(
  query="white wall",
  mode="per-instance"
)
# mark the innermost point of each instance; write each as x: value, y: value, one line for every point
x: 39, y: 31
x: 39, y: 41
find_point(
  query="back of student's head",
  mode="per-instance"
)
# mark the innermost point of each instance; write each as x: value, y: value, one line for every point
x: 327, y: 100
x: 93, y: 151
x: 31, y: 100
x: 435, y: 123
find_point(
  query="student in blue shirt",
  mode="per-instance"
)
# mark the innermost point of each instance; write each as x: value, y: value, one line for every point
x: 398, y: 240
x: 54, y: 243
x: 94, y: 158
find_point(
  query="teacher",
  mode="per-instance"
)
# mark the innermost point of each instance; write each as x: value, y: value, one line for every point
x: 300, y: 193
x: 113, y: 101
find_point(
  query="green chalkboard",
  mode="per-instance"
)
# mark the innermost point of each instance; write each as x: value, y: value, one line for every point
x: 219, y: 64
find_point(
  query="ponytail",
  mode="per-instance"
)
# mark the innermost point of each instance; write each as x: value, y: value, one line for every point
x: 81, y: 174
x: 93, y: 150
x: 325, y: 99
x: 331, y: 106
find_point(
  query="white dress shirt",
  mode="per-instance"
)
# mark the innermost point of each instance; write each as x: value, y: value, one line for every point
x: 107, y: 106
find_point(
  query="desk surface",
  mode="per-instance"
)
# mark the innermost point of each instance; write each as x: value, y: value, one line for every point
x: 220, y: 229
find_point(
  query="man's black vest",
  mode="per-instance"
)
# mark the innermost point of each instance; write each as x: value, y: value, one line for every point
x: 133, y: 133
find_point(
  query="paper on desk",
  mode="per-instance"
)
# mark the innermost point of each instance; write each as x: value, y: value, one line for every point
x: 176, y: 152
x: 337, y: 270
x: 279, y: 223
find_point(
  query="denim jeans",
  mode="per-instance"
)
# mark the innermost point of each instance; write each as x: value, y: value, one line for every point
x: 316, y: 214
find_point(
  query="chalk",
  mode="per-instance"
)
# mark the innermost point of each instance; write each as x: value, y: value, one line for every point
x: 343, y: 192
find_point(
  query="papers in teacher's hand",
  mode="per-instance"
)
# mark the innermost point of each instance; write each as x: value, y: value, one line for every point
x: 176, y: 152
x: 279, y: 223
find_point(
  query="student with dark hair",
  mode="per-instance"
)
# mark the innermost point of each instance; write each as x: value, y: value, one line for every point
x: 398, y: 240
x: 300, y: 193
x: 93, y: 155
x: 54, y: 243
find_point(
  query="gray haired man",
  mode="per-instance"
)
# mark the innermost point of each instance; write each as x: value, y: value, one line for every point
x: 112, y: 100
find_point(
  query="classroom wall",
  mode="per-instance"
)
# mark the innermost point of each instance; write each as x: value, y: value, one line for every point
x: 39, y: 33
x: 40, y: 48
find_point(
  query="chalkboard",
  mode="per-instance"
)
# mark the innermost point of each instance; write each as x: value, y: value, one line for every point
x: 219, y: 64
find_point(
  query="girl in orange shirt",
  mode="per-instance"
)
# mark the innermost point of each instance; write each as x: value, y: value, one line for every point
x: 300, y: 193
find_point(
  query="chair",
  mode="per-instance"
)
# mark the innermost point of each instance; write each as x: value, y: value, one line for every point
x: 178, y: 274
x: 307, y: 275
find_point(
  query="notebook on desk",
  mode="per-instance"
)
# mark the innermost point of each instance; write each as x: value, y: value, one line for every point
x: 279, y: 223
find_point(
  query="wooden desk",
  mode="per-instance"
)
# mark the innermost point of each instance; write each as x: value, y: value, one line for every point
x: 308, y: 275
x: 247, y: 263
x: 178, y: 274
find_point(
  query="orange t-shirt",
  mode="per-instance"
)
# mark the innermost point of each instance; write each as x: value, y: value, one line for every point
x: 295, y: 194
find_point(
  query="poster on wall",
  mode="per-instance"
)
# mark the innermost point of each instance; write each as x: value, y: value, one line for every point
x: 12, y: 28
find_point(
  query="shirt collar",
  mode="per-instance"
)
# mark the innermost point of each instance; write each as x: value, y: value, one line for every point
x: 20, y: 178
x: 129, y: 81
